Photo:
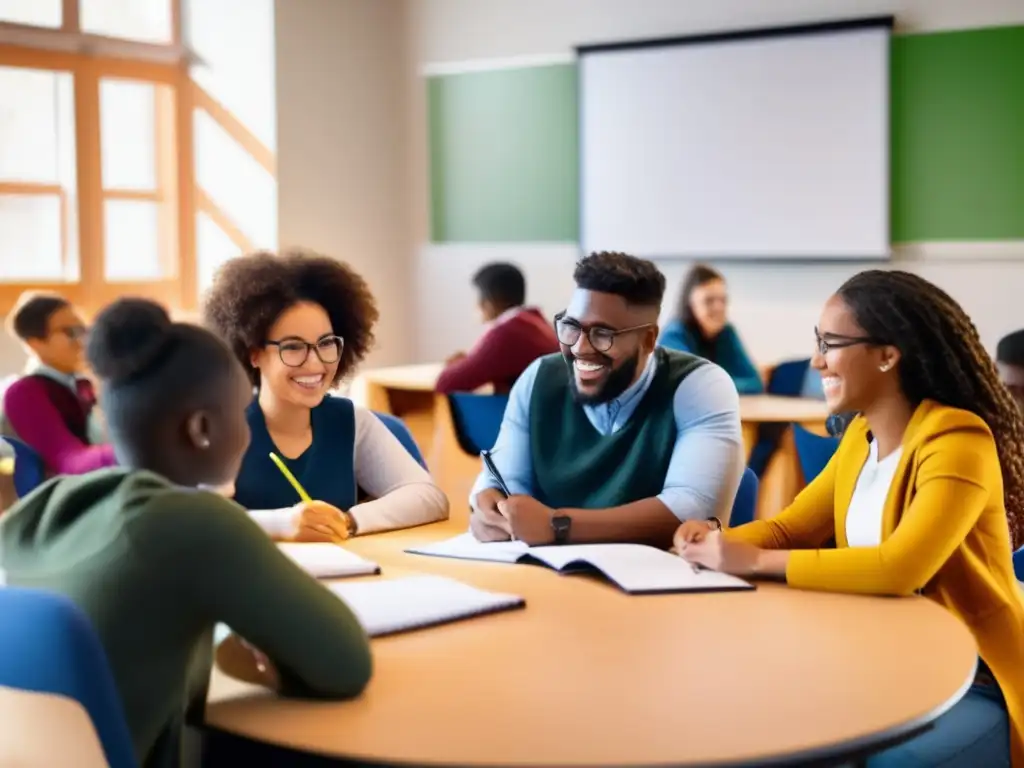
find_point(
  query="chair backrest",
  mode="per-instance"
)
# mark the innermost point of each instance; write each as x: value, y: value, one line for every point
x: 813, y: 451
x: 477, y: 420
x: 49, y: 646
x: 29, y: 469
x: 399, y: 430
x: 745, y: 506
x: 1018, y: 564
x: 788, y: 378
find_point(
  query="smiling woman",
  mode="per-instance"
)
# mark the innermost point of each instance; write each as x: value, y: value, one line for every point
x: 299, y: 323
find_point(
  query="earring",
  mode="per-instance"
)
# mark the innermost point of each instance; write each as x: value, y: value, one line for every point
x: 204, y: 443
x: 884, y: 367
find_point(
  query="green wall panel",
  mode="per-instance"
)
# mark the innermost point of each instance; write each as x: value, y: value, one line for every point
x: 504, y: 145
x: 958, y: 135
x: 504, y: 155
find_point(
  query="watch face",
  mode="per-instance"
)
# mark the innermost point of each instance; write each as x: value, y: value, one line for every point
x: 561, y: 523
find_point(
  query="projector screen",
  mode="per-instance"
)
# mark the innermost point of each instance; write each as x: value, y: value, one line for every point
x: 748, y: 146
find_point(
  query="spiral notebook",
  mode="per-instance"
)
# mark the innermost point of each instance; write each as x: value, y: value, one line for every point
x: 399, y: 605
x: 327, y: 561
x: 634, y: 568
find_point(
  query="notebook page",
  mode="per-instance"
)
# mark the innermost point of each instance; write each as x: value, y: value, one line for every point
x: 323, y: 560
x: 466, y: 547
x: 396, y: 605
x: 637, y: 568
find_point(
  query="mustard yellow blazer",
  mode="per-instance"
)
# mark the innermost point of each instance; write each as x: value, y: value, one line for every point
x: 944, y: 532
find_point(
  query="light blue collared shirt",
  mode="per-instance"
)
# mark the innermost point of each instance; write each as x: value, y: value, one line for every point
x: 707, y: 459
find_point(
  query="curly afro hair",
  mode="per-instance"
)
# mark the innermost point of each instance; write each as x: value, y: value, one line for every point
x: 250, y: 292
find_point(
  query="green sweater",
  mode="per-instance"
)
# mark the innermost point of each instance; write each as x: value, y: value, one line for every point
x: 575, y: 466
x: 155, y: 567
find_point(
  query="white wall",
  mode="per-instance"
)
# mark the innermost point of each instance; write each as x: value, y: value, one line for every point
x: 343, y: 84
x: 775, y: 306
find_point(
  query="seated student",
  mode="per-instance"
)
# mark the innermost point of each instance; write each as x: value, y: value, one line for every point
x: 1010, y: 362
x: 514, y: 335
x: 925, y: 494
x: 700, y: 327
x: 612, y: 439
x: 156, y: 563
x: 53, y: 408
x: 299, y: 323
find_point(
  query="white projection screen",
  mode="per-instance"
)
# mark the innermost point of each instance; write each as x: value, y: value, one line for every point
x: 771, y: 144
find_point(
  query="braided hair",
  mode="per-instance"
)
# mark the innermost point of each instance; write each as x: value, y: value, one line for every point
x: 944, y: 360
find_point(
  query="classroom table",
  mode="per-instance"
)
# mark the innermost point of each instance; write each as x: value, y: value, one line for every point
x: 586, y: 675
x: 408, y: 392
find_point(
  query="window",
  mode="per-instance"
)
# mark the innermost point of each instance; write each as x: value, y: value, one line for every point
x: 150, y: 21
x: 139, y: 169
x: 38, y: 211
x: 35, y: 13
x: 128, y: 166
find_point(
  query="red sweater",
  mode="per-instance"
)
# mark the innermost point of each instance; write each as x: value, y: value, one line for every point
x: 503, y: 352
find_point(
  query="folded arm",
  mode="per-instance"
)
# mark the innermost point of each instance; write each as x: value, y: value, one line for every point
x: 703, y: 474
x: 232, y: 573
x: 39, y: 425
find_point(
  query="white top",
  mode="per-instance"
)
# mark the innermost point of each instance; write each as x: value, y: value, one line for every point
x: 864, y: 517
x: 403, y: 492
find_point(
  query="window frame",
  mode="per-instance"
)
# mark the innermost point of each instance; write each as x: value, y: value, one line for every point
x: 89, y: 59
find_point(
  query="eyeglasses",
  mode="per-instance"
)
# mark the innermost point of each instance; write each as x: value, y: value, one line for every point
x: 295, y: 352
x: 74, y: 332
x: 601, y: 338
x: 835, y: 341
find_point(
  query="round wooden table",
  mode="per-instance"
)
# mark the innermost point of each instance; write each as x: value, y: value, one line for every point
x: 586, y: 675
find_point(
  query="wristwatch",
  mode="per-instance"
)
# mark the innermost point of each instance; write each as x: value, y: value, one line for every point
x: 561, y: 524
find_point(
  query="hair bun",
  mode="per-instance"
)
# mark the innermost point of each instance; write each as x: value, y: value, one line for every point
x: 127, y: 338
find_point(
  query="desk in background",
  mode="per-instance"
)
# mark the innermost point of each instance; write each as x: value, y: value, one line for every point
x: 587, y: 675
x: 408, y: 392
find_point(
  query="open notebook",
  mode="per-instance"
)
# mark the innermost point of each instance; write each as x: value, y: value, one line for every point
x: 398, y: 605
x: 327, y: 561
x: 635, y: 568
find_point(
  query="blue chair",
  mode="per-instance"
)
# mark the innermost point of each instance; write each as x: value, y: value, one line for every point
x: 29, y: 469
x: 1018, y: 564
x: 745, y: 505
x: 788, y: 379
x: 48, y: 645
x: 477, y: 420
x: 813, y: 451
x: 399, y: 430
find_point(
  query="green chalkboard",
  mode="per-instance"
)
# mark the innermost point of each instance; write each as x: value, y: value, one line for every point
x: 504, y: 145
x: 958, y: 135
x: 504, y: 155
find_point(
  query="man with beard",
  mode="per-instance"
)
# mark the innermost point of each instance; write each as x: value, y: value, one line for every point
x: 613, y: 439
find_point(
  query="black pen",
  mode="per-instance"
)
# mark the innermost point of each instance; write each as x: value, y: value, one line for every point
x: 489, y: 463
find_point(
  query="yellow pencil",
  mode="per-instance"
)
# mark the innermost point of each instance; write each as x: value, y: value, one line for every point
x: 290, y: 478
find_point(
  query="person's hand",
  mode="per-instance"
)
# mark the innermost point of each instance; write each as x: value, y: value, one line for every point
x: 530, y: 520
x: 453, y: 359
x: 319, y: 521
x: 691, y: 531
x: 716, y: 552
x: 245, y: 662
x: 486, y: 523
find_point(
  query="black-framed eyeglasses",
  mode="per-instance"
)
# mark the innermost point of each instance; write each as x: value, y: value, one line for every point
x: 601, y: 338
x: 835, y: 341
x: 295, y: 352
